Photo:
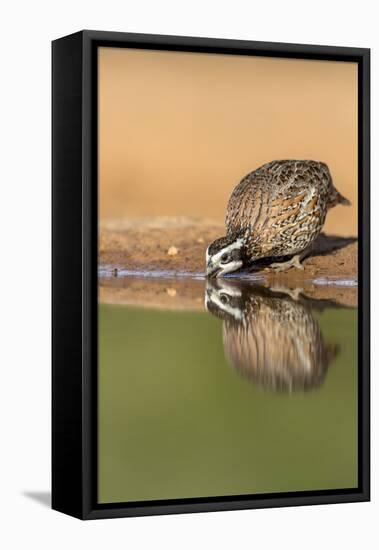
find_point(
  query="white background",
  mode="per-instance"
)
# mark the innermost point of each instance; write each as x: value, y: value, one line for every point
x: 26, y: 31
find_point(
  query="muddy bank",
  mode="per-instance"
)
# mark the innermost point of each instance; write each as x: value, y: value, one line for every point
x: 184, y: 293
x: 174, y: 247
x: 178, y: 245
x: 188, y: 294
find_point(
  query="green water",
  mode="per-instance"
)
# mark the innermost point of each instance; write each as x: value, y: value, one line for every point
x: 177, y: 420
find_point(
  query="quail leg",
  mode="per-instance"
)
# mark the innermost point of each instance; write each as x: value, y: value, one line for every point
x: 293, y: 262
x: 293, y: 293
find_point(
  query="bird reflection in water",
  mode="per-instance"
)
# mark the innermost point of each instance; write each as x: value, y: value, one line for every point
x: 271, y: 337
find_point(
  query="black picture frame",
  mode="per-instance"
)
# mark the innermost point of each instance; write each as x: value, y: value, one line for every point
x: 74, y: 273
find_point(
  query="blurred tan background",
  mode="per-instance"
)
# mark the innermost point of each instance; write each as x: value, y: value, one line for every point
x: 177, y: 131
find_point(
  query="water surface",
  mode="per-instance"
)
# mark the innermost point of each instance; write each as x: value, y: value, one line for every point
x: 254, y: 393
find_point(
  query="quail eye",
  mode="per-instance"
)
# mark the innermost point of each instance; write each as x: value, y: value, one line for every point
x: 224, y: 298
x: 225, y: 258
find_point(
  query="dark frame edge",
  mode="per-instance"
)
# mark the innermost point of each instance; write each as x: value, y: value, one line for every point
x: 220, y: 45
x: 67, y: 421
x: 364, y: 267
x: 234, y: 506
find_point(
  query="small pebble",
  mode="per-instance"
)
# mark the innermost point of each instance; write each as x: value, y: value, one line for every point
x: 171, y: 292
x: 200, y: 240
x: 172, y: 251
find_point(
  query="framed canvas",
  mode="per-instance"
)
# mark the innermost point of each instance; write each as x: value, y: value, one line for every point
x: 210, y: 275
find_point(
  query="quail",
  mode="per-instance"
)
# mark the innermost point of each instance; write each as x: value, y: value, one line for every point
x: 269, y: 337
x: 275, y: 211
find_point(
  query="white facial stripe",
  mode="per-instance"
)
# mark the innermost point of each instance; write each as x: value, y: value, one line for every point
x: 233, y: 246
x: 228, y: 268
x: 230, y: 290
x: 234, y: 312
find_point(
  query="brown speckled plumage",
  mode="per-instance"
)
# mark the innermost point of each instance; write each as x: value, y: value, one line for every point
x: 281, y: 207
x: 270, y: 338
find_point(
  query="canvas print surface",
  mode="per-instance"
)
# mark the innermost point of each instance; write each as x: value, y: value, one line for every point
x: 227, y: 275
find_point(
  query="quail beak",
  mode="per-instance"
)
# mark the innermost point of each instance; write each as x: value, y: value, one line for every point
x: 212, y: 270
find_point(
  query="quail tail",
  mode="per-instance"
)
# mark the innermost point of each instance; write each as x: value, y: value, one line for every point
x: 336, y: 198
x: 342, y: 200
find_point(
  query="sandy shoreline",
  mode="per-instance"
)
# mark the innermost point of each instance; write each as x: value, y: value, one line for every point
x: 145, y: 245
x: 188, y: 294
x: 141, y: 247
